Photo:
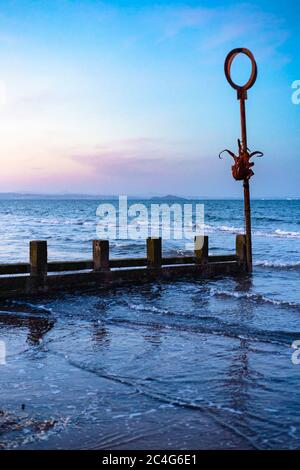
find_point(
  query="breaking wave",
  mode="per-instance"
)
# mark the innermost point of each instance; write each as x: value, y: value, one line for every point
x: 253, y: 297
x: 278, y: 265
x: 259, y: 233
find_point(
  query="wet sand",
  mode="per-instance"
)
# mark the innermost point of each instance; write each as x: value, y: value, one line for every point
x: 118, y: 416
x: 131, y: 368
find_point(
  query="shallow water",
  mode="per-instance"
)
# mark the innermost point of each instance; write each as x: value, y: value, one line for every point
x: 198, y: 364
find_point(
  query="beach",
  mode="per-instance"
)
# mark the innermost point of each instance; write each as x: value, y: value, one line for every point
x: 197, y: 364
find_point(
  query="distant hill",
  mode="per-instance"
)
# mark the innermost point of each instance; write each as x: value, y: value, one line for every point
x: 169, y: 197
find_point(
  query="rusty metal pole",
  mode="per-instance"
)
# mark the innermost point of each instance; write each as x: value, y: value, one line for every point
x: 241, y: 170
x: 247, y: 204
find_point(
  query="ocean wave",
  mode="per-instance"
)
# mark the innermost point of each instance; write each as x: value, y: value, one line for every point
x: 50, y: 221
x: 58, y: 221
x: 24, y: 306
x: 259, y: 233
x: 286, y: 234
x: 21, y: 315
x: 148, y: 308
x: 176, y: 252
x: 222, y: 228
x: 268, y: 219
x: 216, y: 327
x: 254, y: 297
x: 277, y: 265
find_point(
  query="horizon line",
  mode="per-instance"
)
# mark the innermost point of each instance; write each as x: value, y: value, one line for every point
x: 21, y: 194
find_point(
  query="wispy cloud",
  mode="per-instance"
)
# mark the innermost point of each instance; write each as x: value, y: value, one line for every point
x: 135, y: 156
x: 141, y: 164
x: 240, y: 24
x: 175, y: 20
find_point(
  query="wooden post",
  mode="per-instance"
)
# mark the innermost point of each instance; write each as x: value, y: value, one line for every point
x: 38, y: 258
x: 241, y: 251
x: 201, y: 249
x: 154, y: 252
x: 101, y: 255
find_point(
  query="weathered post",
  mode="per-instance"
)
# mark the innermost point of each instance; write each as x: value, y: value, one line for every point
x: 38, y: 258
x: 101, y: 255
x: 201, y: 249
x: 154, y: 252
x: 241, y: 252
x: 242, y: 168
x: 38, y: 255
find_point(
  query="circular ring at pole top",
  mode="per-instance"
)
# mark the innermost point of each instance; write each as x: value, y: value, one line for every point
x: 242, y: 90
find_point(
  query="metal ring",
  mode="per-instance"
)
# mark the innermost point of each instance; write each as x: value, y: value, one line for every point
x: 228, y: 62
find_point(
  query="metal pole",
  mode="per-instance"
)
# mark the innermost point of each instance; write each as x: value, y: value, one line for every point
x: 247, y: 206
x: 242, y: 168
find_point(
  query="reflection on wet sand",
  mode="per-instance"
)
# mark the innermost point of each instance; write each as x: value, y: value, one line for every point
x: 37, y: 326
x: 100, y: 335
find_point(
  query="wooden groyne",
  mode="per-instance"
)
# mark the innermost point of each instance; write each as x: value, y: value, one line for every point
x: 42, y: 276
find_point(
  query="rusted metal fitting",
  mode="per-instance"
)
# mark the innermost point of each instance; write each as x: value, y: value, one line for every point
x: 241, y: 90
x: 242, y: 168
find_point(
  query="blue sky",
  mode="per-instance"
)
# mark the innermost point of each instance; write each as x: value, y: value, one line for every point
x: 131, y: 98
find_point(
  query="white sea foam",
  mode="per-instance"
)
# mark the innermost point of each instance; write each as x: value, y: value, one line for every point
x: 278, y: 264
x: 259, y: 233
x: 148, y: 308
x: 254, y: 297
x: 286, y: 234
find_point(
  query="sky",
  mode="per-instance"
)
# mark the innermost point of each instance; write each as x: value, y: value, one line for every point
x: 130, y: 97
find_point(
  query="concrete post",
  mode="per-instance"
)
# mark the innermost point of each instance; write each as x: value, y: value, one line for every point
x: 101, y: 255
x: 201, y: 249
x: 154, y: 252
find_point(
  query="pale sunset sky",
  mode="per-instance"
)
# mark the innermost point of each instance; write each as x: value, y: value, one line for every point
x: 130, y: 98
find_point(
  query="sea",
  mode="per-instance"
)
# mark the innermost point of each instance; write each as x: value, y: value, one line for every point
x: 191, y: 364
